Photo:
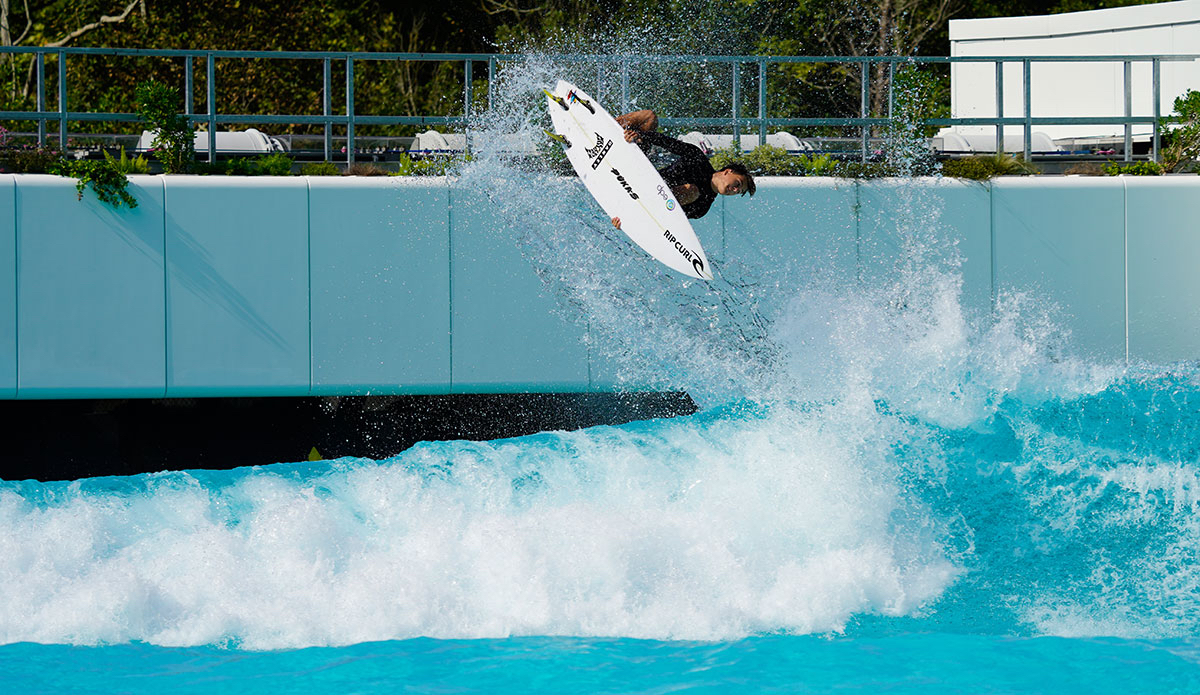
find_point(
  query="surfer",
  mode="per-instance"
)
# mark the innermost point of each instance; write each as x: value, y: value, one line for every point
x: 691, y: 177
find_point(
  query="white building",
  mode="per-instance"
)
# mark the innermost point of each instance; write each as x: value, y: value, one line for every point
x: 1066, y: 89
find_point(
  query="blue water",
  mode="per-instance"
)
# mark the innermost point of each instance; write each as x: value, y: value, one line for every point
x: 928, y: 663
x: 807, y: 547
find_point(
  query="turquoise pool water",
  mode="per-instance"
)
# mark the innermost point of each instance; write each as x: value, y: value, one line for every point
x: 1049, y: 546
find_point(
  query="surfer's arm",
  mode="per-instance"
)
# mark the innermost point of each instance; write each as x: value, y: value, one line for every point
x: 686, y: 193
x: 670, y: 144
x: 642, y: 121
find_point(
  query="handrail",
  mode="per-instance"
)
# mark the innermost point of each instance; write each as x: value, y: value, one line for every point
x: 864, y: 122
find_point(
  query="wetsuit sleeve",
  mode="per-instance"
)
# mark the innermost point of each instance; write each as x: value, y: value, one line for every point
x: 670, y: 144
x: 699, y: 208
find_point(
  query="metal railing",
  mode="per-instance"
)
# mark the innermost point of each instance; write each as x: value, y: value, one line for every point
x: 864, y: 122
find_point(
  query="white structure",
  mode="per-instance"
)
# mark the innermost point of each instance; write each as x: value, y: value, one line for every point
x: 711, y: 142
x: 249, y: 141
x: 1075, y: 89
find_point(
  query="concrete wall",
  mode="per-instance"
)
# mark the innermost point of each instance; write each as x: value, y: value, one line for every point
x: 323, y: 286
x: 1075, y: 89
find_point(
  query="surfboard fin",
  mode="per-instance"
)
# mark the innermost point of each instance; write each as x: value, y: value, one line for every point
x: 557, y: 138
x: 572, y: 96
x: 557, y: 99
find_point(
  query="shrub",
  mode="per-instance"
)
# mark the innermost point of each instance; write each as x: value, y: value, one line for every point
x: 238, y: 166
x: 277, y: 164
x: 1085, y: 169
x: 127, y: 165
x: 320, y: 169
x: 768, y: 160
x: 104, y: 177
x: 364, y: 169
x: 28, y: 160
x: 1135, y: 169
x: 174, y: 144
x: 1182, y: 145
x: 986, y: 167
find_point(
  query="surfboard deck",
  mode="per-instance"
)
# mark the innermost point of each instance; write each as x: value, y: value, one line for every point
x: 624, y: 182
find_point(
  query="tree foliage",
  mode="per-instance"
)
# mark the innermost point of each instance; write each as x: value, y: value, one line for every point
x: 765, y: 27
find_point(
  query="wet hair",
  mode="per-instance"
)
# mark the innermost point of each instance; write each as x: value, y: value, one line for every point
x: 739, y: 168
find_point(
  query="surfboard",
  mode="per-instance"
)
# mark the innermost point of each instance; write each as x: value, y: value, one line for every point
x: 623, y: 181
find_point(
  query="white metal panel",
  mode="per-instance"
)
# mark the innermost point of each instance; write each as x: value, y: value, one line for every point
x: 1075, y: 89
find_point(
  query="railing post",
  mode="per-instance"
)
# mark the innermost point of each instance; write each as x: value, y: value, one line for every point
x: 999, y: 107
x: 327, y: 107
x: 349, y: 110
x: 892, y: 89
x: 1028, y: 114
x: 1128, y: 110
x: 866, y: 95
x: 41, y: 97
x: 188, y: 88
x: 624, y: 85
x: 1156, y: 79
x: 211, y: 74
x: 737, y: 131
x: 762, y: 102
x: 491, y: 93
x: 467, y: 103
x: 62, y: 101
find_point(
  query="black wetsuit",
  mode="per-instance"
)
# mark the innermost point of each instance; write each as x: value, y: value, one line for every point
x: 691, y: 167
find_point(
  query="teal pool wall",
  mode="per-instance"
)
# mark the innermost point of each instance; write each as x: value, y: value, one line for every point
x: 349, y: 286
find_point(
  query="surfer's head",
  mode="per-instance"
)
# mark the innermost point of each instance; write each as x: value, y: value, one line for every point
x: 734, y: 179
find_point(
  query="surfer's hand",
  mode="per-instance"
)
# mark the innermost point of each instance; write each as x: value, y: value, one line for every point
x: 616, y: 222
x: 632, y: 135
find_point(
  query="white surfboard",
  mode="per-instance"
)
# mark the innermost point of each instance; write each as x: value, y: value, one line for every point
x: 624, y: 182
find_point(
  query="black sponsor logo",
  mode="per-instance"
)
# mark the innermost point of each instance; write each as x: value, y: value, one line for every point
x: 624, y: 184
x: 597, y: 153
x: 593, y: 151
x: 684, y: 251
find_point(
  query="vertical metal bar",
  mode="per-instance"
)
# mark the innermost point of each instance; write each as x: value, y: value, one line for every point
x: 491, y: 80
x: 624, y: 85
x: 892, y: 89
x: 41, y: 96
x: 1156, y: 79
x: 1028, y: 113
x: 62, y: 101
x: 211, y: 75
x: 999, y: 106
x: 349, y: 110
x: 1128, y: 111
x: 327, y: 105
x: 866, y: 95
x: 189, y: 87
x: 762, y: 102
x: 737, y: 130
x: 467, y: 104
